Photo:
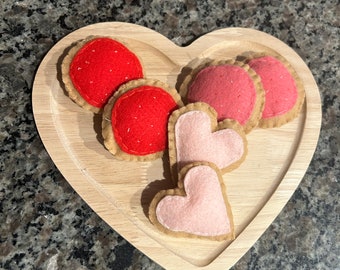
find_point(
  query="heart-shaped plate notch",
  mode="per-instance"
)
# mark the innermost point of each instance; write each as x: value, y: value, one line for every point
x: 120, y: 191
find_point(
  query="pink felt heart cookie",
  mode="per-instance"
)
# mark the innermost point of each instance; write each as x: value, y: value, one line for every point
x: 195, y: 135
x: 198, y: 208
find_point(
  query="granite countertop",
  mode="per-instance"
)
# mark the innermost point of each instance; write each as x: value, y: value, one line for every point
x: 44, y: 224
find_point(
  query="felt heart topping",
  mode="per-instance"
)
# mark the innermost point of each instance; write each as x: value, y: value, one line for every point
x: 199, y: 207
x: 198, y: 137
x: 229, y: 89
x: 100, y: 67
x: 280, y: 89
x: 139, y: 119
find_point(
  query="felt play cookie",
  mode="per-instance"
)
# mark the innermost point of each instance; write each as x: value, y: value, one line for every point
x: 231, y: 87
x: 284, y: 91
x: 135, y: 119
x: 94, y: 69
x: 195, y: 135
x: 198, y: 208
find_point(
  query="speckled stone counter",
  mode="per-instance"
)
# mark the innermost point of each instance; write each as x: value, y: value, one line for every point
x: 44, y: 224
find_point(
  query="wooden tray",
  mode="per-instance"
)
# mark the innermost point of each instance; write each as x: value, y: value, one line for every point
x: 119, y: 191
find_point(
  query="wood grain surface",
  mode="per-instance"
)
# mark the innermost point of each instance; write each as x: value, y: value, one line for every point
x: 119, y: 192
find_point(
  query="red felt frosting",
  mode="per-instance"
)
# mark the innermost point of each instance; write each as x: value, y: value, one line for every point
x: 139, y: 119
x: 100, y: 67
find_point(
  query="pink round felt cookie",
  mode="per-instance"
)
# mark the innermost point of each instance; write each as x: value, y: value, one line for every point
x: 100, y: 66
x: 279, y: 85
x: 139, y: 120
x: 232, y: 89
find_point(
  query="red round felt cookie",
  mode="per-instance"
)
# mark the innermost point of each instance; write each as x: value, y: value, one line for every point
x: 139, y: 120
x: 100, y: 67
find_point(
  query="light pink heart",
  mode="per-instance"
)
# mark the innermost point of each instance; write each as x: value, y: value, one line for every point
x: 195, y: 141
x: 203, y: 211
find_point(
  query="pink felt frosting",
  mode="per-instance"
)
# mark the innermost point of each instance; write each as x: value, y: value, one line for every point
x: 280, y: 89
x: 202, y: 211
x: 196, y: 142
x: 229, y: 89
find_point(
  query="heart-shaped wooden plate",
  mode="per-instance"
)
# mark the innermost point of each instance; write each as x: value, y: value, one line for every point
x: 120, y: 191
